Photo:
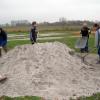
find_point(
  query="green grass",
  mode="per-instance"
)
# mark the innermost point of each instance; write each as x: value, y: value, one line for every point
x: 12, y: 44
x: 21, y: 98
x: 70, y: 41
x: 93, y: 97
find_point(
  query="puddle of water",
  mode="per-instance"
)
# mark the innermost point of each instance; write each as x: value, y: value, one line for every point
x: 27, y: 35
x: 46, y: 38
x: 51, y: 34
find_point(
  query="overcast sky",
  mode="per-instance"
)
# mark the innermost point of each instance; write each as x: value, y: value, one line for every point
x: 49, y: 10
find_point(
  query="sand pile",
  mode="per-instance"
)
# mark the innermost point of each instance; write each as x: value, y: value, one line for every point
x: 47, y: 70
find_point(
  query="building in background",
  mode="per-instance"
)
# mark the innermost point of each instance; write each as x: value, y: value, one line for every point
x: 20, y: 22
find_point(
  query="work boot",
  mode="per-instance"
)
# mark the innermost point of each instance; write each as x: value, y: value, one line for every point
x: 32, y: 43
x: 82, y: 51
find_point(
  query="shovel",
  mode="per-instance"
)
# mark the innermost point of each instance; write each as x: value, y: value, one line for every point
x: 83, y: 57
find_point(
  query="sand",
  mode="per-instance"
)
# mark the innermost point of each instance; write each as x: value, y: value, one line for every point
x: 47, y: 70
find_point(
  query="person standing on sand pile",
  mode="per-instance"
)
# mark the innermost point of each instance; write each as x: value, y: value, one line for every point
x: 97, y: 39
x: 85, y: 31
x: 3, y: 41
x: 33, y: 33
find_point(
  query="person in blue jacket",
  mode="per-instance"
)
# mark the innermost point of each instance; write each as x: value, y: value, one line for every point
x: 97, y: 39
x: 3, y: 41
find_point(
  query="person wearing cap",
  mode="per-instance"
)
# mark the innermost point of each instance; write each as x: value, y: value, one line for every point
x: 33, y: 33
x: 85, y: 31
x: 97, y: 39
x: 3, y: 41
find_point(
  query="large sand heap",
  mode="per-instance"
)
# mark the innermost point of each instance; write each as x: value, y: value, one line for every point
x: 47, y: 70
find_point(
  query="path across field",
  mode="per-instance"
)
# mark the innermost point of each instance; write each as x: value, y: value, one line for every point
x: 46, y: 36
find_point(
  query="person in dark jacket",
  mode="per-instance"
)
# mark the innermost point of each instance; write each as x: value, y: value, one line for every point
x: 3, y: 41
x: 85, y: 31
x: 33, y: 33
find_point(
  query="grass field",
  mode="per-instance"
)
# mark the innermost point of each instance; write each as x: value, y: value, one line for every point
x: 69, y: 38
x: 21, y: 98
x: 93, y: 97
